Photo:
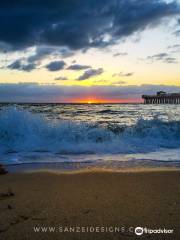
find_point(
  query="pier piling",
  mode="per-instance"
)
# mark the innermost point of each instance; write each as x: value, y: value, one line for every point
x: 162, y: 98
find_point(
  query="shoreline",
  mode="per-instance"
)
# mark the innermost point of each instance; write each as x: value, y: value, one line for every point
x: 113, y: 166
x: 96, y: 170
x: 93, y: 197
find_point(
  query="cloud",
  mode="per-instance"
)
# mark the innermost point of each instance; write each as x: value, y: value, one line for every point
x: 90, y: 73
x: 159, y: 56
x: 61, y: 78
x: 42, y: 52
x: 174, y: 48
x: 55, y: 66
x: 28, y: 67
x: 78, y: 24
x: 122, y: 74
x: 177, y: 33
x: 32, y: 92
x: 4, y: 47
x: 119, y: 83
x: 18, y: 65
x: 78, y: 67
x: 170, y: 60
x: 164, y: 57
x: 120, y: 54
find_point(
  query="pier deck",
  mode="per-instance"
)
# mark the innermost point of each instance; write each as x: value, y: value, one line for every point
x: 162, y: 98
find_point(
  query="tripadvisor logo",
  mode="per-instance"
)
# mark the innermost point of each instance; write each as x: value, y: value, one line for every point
x: 140, y: 230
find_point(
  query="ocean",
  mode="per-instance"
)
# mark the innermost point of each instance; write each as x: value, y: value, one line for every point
x: 78, y: 135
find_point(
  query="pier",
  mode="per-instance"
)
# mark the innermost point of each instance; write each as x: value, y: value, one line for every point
x: 162, y: 98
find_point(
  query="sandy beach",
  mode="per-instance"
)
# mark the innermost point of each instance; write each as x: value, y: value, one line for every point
x: 125, y: 200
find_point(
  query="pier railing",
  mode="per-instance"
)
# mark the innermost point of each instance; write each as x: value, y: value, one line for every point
x: 168, y: 98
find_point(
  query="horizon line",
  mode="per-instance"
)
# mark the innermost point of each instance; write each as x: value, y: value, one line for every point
x: 80, y: 103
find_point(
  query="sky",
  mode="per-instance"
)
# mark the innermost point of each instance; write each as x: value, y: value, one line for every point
x: 92, y: 51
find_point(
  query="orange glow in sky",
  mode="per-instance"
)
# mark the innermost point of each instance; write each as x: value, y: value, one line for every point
x: 103, y: 100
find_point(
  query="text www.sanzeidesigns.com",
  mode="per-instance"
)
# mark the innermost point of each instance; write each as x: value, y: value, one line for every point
x: 102, y: 229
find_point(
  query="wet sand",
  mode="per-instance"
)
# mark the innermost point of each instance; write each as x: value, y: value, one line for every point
x: 113, y: 200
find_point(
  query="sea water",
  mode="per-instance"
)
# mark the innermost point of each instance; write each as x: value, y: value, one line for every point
x: 119, y: 135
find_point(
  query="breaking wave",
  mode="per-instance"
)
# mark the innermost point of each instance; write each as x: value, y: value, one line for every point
x: 22, y: 131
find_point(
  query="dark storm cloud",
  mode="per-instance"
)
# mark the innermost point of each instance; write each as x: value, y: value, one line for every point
x: 4, y: 47
x: 90, y: 73
x: 55, y: 66
x: 42, y: 52
x: 32, y: 92
x: 78, y: 24
x: 78, y: 67
x: 18, y: 65
x: 164, y: 57
x: 28, y: 67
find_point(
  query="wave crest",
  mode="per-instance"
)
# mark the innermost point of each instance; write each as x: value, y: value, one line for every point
x: 22, y: 131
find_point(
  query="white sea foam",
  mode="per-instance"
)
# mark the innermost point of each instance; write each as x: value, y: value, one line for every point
x: 22, y: 131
